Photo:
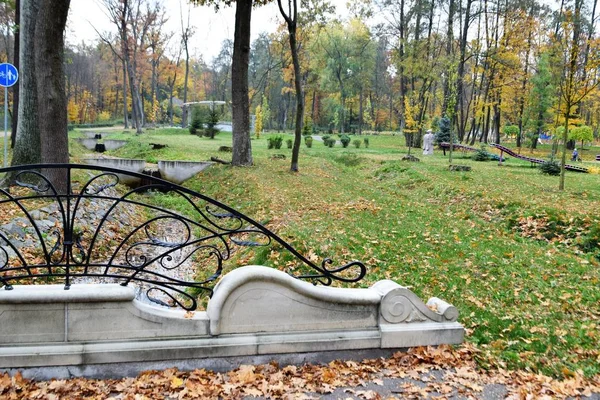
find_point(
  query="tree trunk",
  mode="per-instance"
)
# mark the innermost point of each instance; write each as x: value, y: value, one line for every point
x: 524, y: 86
x: 291, y: 19
x: 242, y: 148
x: 360, y: 110
x: 125, y: 113
x: 570, y: 89
x: 563, y: 156
x: 134, y: 96
x: 50, y: 79
x: 27, y: 144
x: 15, y: 112
x: 461, y: 73
x: 449, y: 38
x: 130, y: 70
x: 153, y: 85
x: 184, y: 115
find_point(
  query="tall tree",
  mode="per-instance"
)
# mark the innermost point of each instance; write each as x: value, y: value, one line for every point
x: 119, y: 12
x: 575, y: 85
x: 186, y: 33
x: 291, y: 17
x: 51, y: 20
x: 241, y: 145
x: 27, y: 148
x: 541, y: 99
x: 16, y: 58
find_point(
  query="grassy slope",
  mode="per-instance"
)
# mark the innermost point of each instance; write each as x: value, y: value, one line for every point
x: 500, y: 243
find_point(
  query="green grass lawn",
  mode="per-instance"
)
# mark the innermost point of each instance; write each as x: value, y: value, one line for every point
x: 520, y: 259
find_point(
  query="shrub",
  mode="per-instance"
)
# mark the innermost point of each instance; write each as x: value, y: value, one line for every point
x: 275, y: 142
x: 356, y: 143
x: 345, y: 139
x: 289, y: 143
x: 307, y: 127
x: 326, y: 139
x: 481, y: 154
x: 366, y: 140
x: 308, y: 141
x: 330, y: 143
x: 550, y: 168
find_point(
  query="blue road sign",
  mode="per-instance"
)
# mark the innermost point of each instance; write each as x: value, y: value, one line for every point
x: 8, y: 75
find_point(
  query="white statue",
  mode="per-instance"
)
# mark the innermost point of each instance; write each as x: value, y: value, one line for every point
x: 428, y: 143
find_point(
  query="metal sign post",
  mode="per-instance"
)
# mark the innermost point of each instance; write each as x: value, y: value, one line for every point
x: 8, y: 77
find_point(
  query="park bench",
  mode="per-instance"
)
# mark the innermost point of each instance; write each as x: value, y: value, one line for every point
x: 97, y: 274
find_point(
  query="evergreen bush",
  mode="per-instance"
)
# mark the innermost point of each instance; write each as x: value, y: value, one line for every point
x: 481, y: 154
x: 196, y: 123
x: 274, y: 142
x: 308, y: 141
x: 211, y: 129
x: 443, y: 135
x: 550, y: 168
x: 356, y: 143
x: 345, y: 139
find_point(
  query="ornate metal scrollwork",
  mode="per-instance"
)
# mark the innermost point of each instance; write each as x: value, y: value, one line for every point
x: 92, y: 232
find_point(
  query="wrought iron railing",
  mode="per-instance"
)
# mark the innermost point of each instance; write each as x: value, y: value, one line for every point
x: 91, y: 228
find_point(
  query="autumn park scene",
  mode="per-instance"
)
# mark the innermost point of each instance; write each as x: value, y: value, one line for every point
x: 362, y: 199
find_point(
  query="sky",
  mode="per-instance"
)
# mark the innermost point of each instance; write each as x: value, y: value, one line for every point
x: 211, y: 28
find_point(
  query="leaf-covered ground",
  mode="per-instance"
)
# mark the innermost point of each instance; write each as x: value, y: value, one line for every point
x: 440, y: 373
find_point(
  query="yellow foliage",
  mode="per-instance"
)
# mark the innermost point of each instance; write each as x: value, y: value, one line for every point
x: 410, y: 124
x: 73, y: 112
x: 104, y: 116
x: 594, y: 170
x: 258, y: 124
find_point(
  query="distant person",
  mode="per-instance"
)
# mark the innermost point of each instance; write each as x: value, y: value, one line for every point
x: 575, y: 156
x: 428, y: 143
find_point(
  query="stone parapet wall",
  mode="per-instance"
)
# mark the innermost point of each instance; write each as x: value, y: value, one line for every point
x: 254, y: 311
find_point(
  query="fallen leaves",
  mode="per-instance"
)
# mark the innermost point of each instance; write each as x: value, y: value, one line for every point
x: 420, y: 372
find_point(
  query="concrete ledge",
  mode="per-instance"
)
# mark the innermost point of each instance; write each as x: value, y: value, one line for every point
x: 179, y: 349
x: 80, y: 293
x: 421, y: 334
x: 220, y: 364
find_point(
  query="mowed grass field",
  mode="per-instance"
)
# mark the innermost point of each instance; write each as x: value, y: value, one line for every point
x: 520, y: 259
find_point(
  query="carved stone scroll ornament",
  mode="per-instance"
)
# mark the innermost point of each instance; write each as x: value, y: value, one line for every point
x: 400, y: 305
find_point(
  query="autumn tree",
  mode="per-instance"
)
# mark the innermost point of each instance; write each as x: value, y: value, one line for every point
x: 576, y: 82
x: 120, y: 13
x: 410, y: 127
